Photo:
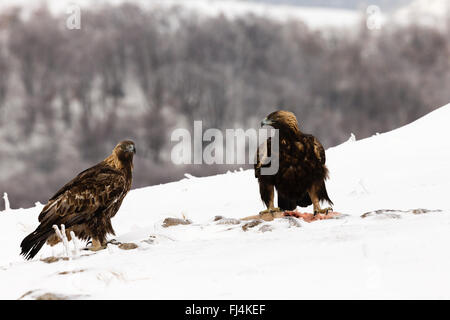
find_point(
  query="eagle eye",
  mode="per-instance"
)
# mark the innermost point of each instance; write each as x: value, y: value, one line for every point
x: 130, y: 148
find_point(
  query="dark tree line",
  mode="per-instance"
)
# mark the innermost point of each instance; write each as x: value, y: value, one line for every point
x: 68, y: 96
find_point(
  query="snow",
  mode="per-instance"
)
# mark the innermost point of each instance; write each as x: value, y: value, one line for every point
x: 314, y: 17
x: 390, y: 255
x: 432, y: 13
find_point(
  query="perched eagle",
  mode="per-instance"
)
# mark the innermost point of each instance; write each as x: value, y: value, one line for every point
x: 300, y: 179
x: 86, y: 204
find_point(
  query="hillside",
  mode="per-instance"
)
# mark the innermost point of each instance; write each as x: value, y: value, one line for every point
x: 387, y: 254
x: 314, y: 17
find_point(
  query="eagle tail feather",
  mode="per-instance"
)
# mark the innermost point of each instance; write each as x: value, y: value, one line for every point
x: 304, y: 201
x: 32, y: 243
x: 286, y: 203
x: 323, y: 195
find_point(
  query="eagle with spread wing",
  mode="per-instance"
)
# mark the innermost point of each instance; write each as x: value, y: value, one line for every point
x: 86, y: 204
x: 300, y: 179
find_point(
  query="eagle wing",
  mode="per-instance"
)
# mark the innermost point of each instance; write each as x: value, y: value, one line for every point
x: 263, y: 153
x: 94, y: 193
x: 95, y: 190
x: 319, y: 151
x: 309, y: 153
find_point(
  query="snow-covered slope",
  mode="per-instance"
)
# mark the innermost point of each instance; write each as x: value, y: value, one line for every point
x: 313, y: 17
x: 433, y: 13
x: 386, y: 255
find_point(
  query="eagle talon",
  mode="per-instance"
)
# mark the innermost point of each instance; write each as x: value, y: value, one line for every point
x: 96, y: 248
x: 323, y: 211
x: 114, y: 242
x: 89, y: 242
x: 271, y: 211
x: 96, y: 245
x: 92, y: 248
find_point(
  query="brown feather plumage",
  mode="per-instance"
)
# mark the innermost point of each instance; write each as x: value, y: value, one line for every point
x: 86, y: 204
x: 300, y: 180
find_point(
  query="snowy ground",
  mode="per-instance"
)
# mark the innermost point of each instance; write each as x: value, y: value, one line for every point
x: 388, y: 255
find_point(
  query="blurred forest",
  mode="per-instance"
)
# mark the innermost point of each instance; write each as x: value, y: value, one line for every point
x: 68, y: 96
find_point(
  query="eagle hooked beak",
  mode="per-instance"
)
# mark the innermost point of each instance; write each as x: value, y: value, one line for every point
x: 266, y: 122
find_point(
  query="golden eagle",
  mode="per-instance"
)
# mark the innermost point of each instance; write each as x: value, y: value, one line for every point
x: 86, y: 204
x: 300, y: 179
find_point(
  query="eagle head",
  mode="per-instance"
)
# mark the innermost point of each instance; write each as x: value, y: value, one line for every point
x: 125, y: 150
x: 281, y: 119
